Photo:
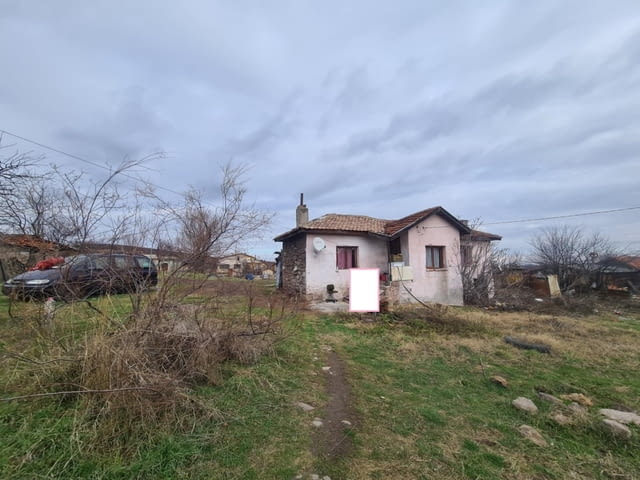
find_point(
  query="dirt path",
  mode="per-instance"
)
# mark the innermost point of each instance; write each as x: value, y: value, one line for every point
x: 332, y: 440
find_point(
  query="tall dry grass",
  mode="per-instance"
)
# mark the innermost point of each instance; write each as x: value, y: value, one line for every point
x: 146, y: 370
x: 130, y: 377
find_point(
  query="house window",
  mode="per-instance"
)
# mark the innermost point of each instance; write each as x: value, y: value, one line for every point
x: 435, y: 257
x: 395, y: 247
x: 466, y: 255
x: 395, y: 250
x: 346, y: 257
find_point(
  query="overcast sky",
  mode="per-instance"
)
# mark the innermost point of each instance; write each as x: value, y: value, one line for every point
x: 494, y: 110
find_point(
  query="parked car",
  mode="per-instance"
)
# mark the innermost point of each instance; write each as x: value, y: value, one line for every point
x: 81, y: 276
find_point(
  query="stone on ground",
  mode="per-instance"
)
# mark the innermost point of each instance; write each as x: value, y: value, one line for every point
x: 526, y: 405
x: 533, y: 435
x: 577, y: 409
x: 561, y: 418
x: 617, y: 429
x: 621, y: 417
x: 305, y: 406
x: 549, y: 398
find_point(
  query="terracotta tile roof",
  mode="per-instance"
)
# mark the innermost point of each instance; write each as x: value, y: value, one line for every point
x: 129, y: 249
x: 347, y: 223
x: 28, y: 241
x: 478, y: 235
x: 394, y: 226
x: 633, y: 262
x: 389, y: 228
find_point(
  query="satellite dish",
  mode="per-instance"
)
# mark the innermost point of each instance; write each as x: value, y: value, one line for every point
x: 318, y: 245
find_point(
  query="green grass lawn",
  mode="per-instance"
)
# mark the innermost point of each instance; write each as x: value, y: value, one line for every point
x: 426, y: 407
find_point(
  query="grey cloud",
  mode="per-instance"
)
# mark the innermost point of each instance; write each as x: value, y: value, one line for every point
x: 406, y: 131
x: 131, y: 124
x: 262, y: 140
x: 494, y: 111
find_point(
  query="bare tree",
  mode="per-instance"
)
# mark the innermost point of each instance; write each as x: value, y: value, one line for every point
x: 479, y: 261
x: 15, y: 173
x: 67, y: 206
x: 570, y: 253
x: 207, y: 230
x: 13, y: 167
x: 204, y: 231
x: 31, y: 208
x: 87, y: 203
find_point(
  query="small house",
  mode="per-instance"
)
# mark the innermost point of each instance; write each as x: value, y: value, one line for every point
x: 419, y: 255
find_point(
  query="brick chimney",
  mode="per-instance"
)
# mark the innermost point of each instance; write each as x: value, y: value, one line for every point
x: 302, y: 213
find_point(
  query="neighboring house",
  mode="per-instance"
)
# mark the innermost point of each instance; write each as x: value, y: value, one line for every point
x: 19, y: 252
x: 419, y: 255
x: 241, y: 264
x: 619, y: 274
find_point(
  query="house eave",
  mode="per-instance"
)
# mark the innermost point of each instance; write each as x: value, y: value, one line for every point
x: 286, y: 235
x: 462, y: 228
x: 478, y: 236
x: 312, y: 231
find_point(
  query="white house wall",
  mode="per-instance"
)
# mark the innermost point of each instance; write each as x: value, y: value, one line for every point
x: 441, y: 285
x: 321, y: 267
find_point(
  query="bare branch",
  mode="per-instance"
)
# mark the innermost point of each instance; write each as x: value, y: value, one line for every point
x: 14, y: 167
x: 75, y: 392
x: 570, y: 253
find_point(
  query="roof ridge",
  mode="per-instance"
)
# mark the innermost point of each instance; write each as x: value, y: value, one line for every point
x: 350, y: 215
x: 344, y: 222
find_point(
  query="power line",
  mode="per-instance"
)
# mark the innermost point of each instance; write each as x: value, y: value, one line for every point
x: 584, y: 214
x: 160, y: 187
x: 81, y: 159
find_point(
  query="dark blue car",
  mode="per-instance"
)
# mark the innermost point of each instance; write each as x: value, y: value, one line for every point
x: 81, y: 276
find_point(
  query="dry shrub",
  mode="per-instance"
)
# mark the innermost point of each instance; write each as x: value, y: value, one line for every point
x: 130, y: 381
x: 525, y: 299
x: 439, y: 319
x: 141, y: 375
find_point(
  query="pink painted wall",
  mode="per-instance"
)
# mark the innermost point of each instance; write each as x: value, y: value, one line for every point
x: 441, y: 285
x: 435, y: 286
x: 321, y: 266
